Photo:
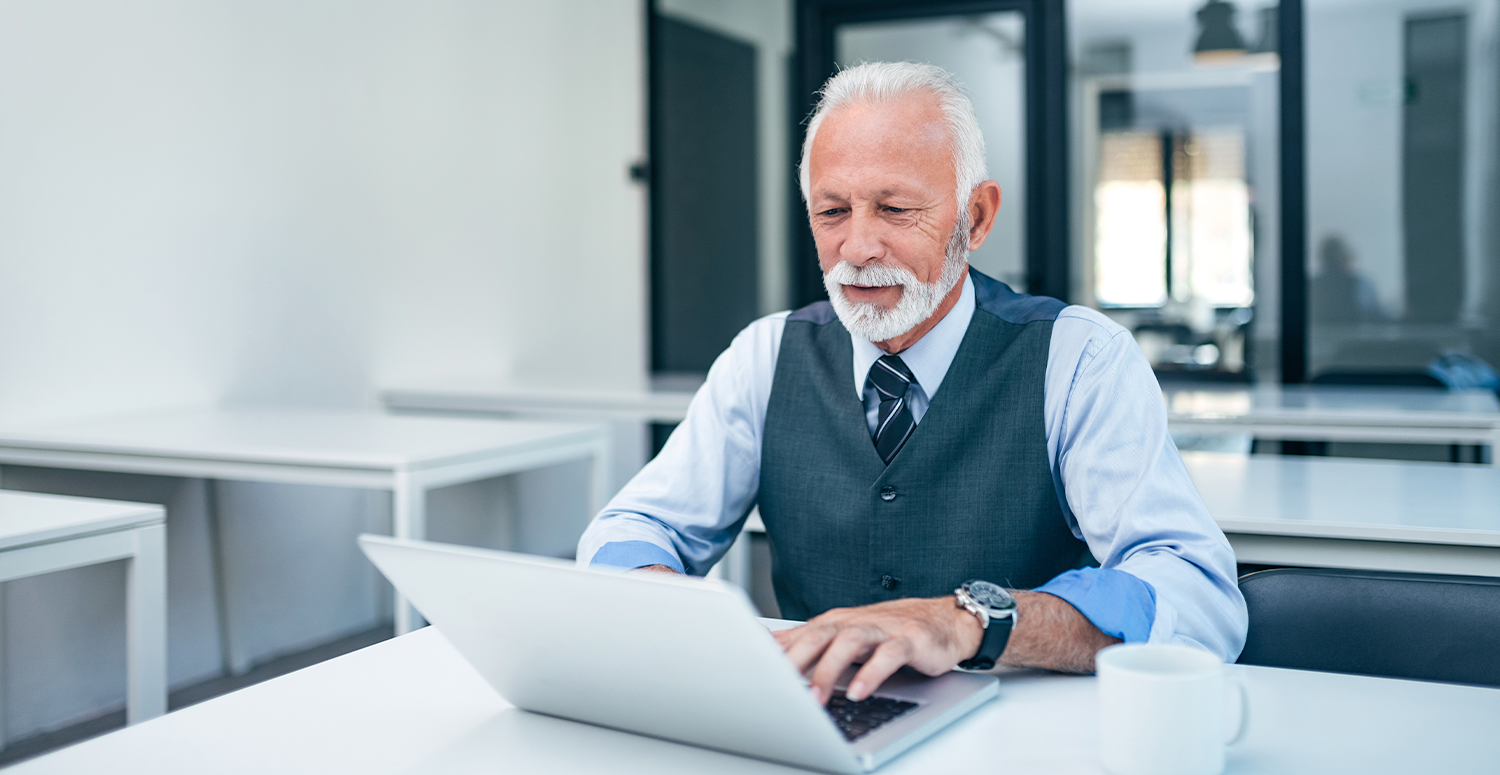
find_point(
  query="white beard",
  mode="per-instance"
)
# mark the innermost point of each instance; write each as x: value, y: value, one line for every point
x: 918, y: 299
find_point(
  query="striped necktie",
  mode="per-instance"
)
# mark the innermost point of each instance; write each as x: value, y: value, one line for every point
x: 891, y: 379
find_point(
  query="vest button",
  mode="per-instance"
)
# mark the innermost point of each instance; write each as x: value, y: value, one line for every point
x: 889, y: 582
x: 887, y: 494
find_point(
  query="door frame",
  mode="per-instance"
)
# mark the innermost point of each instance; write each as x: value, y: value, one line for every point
x: 1047, y: 253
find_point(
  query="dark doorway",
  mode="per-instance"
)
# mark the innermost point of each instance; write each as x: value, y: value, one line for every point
x: 704, y: 249
x: 1432, y: 168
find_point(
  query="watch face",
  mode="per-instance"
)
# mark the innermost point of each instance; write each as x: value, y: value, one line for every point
x: 990, y: 595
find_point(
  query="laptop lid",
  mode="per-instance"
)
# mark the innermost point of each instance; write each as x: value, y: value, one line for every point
x: 672, y: 657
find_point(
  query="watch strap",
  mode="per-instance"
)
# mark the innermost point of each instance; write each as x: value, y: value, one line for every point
x: 995, y: 637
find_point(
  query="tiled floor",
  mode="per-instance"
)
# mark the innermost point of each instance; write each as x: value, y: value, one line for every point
x: 37, y: 745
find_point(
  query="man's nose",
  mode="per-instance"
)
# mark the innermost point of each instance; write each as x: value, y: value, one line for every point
x: 864, y: 243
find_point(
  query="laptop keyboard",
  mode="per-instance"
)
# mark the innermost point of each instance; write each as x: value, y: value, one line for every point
x: 857, y: 719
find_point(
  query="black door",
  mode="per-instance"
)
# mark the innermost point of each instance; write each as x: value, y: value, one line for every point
x: 704, y: 249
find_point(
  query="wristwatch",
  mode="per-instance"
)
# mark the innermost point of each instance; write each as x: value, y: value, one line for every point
x: 996, y: 610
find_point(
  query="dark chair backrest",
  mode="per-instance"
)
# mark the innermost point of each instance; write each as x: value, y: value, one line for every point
x: 1379, y: 378
x: 1400, y: 625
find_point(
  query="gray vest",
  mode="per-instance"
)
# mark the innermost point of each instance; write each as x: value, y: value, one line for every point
x: 970, y: 496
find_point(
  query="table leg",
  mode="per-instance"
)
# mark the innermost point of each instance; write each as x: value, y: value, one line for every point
x: 599, y: 490
x: 146, y: 625
x: 738, y: 561
x: 4, y: 686
x: 408, y: 520
x: 234, y: 655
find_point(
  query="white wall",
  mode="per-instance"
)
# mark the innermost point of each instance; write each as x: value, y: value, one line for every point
x: 291, y: 203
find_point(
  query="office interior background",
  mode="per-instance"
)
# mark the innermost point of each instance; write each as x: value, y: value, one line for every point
x: 295, y: 204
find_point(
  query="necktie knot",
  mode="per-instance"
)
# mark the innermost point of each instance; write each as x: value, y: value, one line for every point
x: 891, y: 379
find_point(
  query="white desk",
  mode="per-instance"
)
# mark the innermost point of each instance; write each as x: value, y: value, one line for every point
x: 1338, y: 413
x: 48, y: 533
x: 1300, y: 412
x: 1368, y: 514
x: 488, y: 396
x: 411, y: 705
x: 405, y: 455
x: 666, y: 402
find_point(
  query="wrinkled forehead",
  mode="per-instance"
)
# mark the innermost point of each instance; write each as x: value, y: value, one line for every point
x: 868, y: 143
x: 910, y: 121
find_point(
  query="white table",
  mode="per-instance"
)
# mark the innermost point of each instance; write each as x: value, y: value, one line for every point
x: 1338, y: 413
x: 405, y: 455
x: 665, y: 402
x: 1366, y: 514
x: 1299, y: 412
x: 47, y: 533
x: 412, y: 705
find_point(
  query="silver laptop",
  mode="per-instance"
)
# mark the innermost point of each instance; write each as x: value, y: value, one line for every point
x: 672, y: 657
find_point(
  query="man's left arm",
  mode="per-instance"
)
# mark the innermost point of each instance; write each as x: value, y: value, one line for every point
x: 1167, y: 572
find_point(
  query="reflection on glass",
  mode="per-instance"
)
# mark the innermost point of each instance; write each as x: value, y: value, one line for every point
x: 1403, y: 149
x: 1176, y: 137
x: 1340, y: 293
x: 1211, y: 221
x: 1130, y: 236
x: 987, y: 54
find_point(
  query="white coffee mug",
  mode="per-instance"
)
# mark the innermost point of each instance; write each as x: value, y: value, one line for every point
x: 1164, y: 710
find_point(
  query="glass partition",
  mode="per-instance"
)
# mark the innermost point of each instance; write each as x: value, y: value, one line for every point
x: 1402, y: 189
x: 1176, y: 160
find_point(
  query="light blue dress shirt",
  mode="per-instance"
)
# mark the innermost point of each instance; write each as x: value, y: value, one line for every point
x: 1167, y: 573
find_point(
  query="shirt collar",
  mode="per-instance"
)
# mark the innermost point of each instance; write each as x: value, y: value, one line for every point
x: 930, y: 357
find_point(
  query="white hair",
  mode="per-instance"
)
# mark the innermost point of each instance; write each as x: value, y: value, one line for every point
x: 883, y: 82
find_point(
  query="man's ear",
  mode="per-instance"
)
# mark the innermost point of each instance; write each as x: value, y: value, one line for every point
x: 984, y: 203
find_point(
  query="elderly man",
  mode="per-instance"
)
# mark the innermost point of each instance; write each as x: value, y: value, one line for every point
x: 931, y: 437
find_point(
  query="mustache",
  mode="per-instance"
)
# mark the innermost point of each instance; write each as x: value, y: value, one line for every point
x: 874, y: 275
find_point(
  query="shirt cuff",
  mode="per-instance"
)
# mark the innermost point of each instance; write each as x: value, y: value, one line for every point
x: 1118, y: 603
x: 635, y: 554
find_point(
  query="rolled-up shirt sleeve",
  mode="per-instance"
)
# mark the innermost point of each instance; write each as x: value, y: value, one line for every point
x: 1125, y: 491
x: 685, y: 508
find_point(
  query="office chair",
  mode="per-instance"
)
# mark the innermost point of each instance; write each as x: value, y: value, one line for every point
x: 1418, y: 379
x: 1379, y: 378
x: 1399, y: 625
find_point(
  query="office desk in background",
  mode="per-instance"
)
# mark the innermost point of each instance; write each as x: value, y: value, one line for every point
x: 1338, y: 413
x: 48, y: 533
x: 1297, y: 412
x: 412, y: 705
x: 405, y: 455
x: 1363, y: 514
x: 666, y: 402
x: 1262, y: 531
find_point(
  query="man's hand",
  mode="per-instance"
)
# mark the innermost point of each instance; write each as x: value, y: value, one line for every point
x: 933, y: 635
x: 929, y: 634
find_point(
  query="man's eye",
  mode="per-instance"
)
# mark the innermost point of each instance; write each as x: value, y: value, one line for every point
x: 895, y: 209
x: 830, y: 213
